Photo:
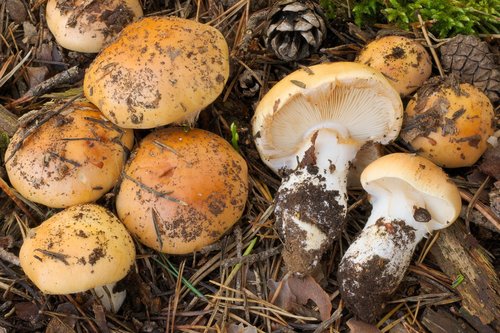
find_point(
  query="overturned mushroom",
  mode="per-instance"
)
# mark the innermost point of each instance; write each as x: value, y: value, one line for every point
x: 411, y: 197
x: 160, y: 70
x: 308, y: 128
x: 80, y: 248
x: 86, y: 26
x: 74, y: 157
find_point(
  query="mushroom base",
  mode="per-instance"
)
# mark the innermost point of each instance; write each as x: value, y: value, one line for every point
x: 374, y: 265
x: 309, y: 218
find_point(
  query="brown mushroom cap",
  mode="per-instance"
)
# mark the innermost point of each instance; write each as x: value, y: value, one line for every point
x: 160, y: 70
x: 85, y: 26
x: 78, y: 249
x: 73, y: 158
x: 403, y: 61
x: 182, y: 190
x: 449, y: 124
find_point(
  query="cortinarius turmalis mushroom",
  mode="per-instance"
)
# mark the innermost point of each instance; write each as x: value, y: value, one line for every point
x: 182, y: 189
x: 308, y: 128
x: 449, y: 122
x: 411, y: 197
x: 86, y: 26
x: 74, y: 157
x: 159, y: 70
x: 77, y: 249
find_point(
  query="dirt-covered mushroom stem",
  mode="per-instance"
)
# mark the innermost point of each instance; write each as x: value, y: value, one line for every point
x: 308, y: 129
x: 411, y: 197
x: 311, y: 202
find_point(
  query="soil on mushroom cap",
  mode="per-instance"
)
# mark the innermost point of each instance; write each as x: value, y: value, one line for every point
x: 115, y: 20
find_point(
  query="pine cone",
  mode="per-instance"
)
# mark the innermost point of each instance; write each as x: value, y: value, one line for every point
x: 472, y: 59
x: 295, y: 29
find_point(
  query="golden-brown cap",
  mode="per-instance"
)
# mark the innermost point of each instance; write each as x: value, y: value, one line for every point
x: 346, y: 96
x: 400, y: 172
x: 182, y: 190
x: 449, y: 124
x: 160, y: 70
x: 85, y: 26
x: 73, y: 158
x: 403, y: 61
x: 77, y: 249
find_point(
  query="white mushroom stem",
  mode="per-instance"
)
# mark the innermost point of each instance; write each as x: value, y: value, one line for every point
x: 375, y: 263
x: 111, y: 300
x: 311, y: 202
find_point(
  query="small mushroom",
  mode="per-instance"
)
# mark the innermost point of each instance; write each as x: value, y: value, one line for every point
x: 411, y: 197
x: 308, y: 129
x: 449, y: 122
x: 86, y: 26
x: 77, y: 249
x: 182, y: 190
x: 75, y: 157
x: 403, y: 61
x: 159, y: 70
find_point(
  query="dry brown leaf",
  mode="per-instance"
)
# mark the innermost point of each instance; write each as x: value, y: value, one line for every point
x: 293, y: 291
x: 27, y: 311
x: 36, y: 75
x: 65, y: 322
x: 491, y: 162
x: 358, y: 326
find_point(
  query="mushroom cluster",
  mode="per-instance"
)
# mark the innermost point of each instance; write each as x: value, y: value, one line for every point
x: 308, y: 128
x: 180, y: 190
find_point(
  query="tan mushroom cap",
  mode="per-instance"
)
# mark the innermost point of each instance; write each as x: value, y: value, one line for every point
x: 462, y: 121
x: 403, y: 61
x: 182, y: 190
x: 73, y: 158
x: 77, y: 249
x: 440, y: 194
x: 84, y: 26
x: 340, y: 94
x: 160, y: 70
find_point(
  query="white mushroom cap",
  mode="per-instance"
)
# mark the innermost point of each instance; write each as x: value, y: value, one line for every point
x: 77, y: 249
x: 436, y: 198
x: 344, y: 95
x: 84, y: 26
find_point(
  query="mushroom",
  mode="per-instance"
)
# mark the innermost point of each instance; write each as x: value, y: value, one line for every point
x: 75, y: 157
x: 411, y: 197
x: 159, y: 70
x: 77, y: 249
x: 182, y: 190
x: 86, y: 26
x: 449, y: 122
x: 403, y: 61
x: 308, y: 128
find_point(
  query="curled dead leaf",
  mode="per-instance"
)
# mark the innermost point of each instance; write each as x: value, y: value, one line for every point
x: 294, y: 291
